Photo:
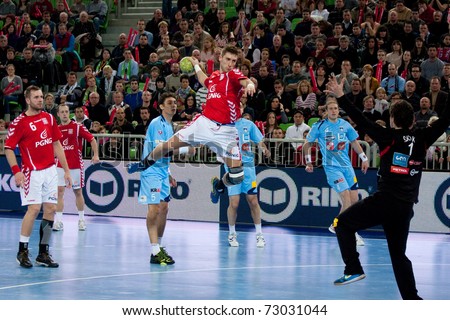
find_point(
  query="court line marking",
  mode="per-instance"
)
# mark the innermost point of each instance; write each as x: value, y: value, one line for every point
x: 187, y: 271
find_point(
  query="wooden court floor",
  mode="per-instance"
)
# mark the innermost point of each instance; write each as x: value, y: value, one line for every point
x: 110, y: 261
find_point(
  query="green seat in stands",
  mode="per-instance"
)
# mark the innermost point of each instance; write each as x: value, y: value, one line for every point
x: 284, y: 126
x: 312, y: 120
x: 294, y: 23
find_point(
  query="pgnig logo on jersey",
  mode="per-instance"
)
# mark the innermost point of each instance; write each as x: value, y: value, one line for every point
x: 442, y: 202
x: 278, y: 195
x: 104, y: 187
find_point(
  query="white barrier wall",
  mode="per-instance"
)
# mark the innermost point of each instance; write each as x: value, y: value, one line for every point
x: 110, y: 191
x: 432, y: 213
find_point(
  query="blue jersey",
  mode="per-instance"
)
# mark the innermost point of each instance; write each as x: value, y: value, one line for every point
x: 248, y: 132
x: 334, y: 140
x: 158, y: 131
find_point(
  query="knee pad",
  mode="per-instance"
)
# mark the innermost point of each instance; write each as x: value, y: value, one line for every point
x: 235, y: 175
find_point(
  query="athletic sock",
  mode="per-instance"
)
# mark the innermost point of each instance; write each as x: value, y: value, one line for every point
x: 58, y: 216
x: 45, y: 231
x: 220, y: 187
x: 155, y: 249
x: 23, y: 243
x: 81, y: 215
x: 232, y: 229
x: 258, y: 228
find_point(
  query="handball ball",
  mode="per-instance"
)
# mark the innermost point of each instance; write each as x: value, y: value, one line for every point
x: 186, y: 65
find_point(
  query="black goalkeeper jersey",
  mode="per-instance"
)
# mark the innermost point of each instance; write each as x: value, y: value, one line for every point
x: 402, y: 151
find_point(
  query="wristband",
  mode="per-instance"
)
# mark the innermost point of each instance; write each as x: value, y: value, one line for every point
x: 197, y: 68
x: 308, y: 158
x: 15, y: 169
x: 251, y: 86
x: 183, y: 150
x: 363, y: 157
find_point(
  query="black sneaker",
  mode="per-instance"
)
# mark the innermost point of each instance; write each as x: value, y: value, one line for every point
x: 23, y: 259
x: 44, y: 259
x: 162, y: 258
x: 169, y: 258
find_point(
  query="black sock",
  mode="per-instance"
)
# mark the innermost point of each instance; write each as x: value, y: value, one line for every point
x: 23, y: 246
x: 220, y: 187
x: 43, y: 248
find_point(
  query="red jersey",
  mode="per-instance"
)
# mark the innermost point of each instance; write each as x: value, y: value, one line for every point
x: 224, y: 94
x: 35, y: 136
x: 72, y: 143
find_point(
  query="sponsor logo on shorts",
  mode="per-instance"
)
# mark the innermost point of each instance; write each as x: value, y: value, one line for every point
x: 400, y: 159
x: 232, y: 155
x: 413, y: 172
x: 155, y: 190
x: 399, y: 170
x: 340, y: 180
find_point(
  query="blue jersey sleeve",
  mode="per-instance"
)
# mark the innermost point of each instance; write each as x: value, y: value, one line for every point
x: 313, y: 134
x: 352, y: 135
x: 158, y: 131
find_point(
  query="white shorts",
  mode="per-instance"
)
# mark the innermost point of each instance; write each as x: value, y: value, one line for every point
x: 40, y: 186
x: 221, y: 139
x: 76, y: 175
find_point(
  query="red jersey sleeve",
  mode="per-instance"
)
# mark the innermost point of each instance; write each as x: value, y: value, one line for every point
x: 56, y: 133
x: 84, y: 133
x: 14, y: 134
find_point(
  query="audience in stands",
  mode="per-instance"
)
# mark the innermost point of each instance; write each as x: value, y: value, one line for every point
x: 383, y: 51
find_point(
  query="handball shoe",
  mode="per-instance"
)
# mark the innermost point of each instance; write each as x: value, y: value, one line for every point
x: 45, y: 259
x: 260, y: 242
x: 81, y: 225
x: 214, y: 195
x: 162, y: 258
x: 23, y: 259
x: 349, y: 278
x: 232, y: 240
x: 58, y: 226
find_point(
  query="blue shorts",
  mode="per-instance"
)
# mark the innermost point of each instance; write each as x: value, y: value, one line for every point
x: 341, y: 178
x: 248, y: 186
x: 154, y: 189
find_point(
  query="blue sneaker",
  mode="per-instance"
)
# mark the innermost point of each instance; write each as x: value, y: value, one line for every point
x: 349, y: 278
x: 142, y: 165
x: 214, y: 195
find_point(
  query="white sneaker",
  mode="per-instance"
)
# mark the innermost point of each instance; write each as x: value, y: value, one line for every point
x: 81, y: 225
x: 359, y: 240
x: 331, y: 229
x: 232, y: 240
x: 58, y: 226
x: 260, y: 242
